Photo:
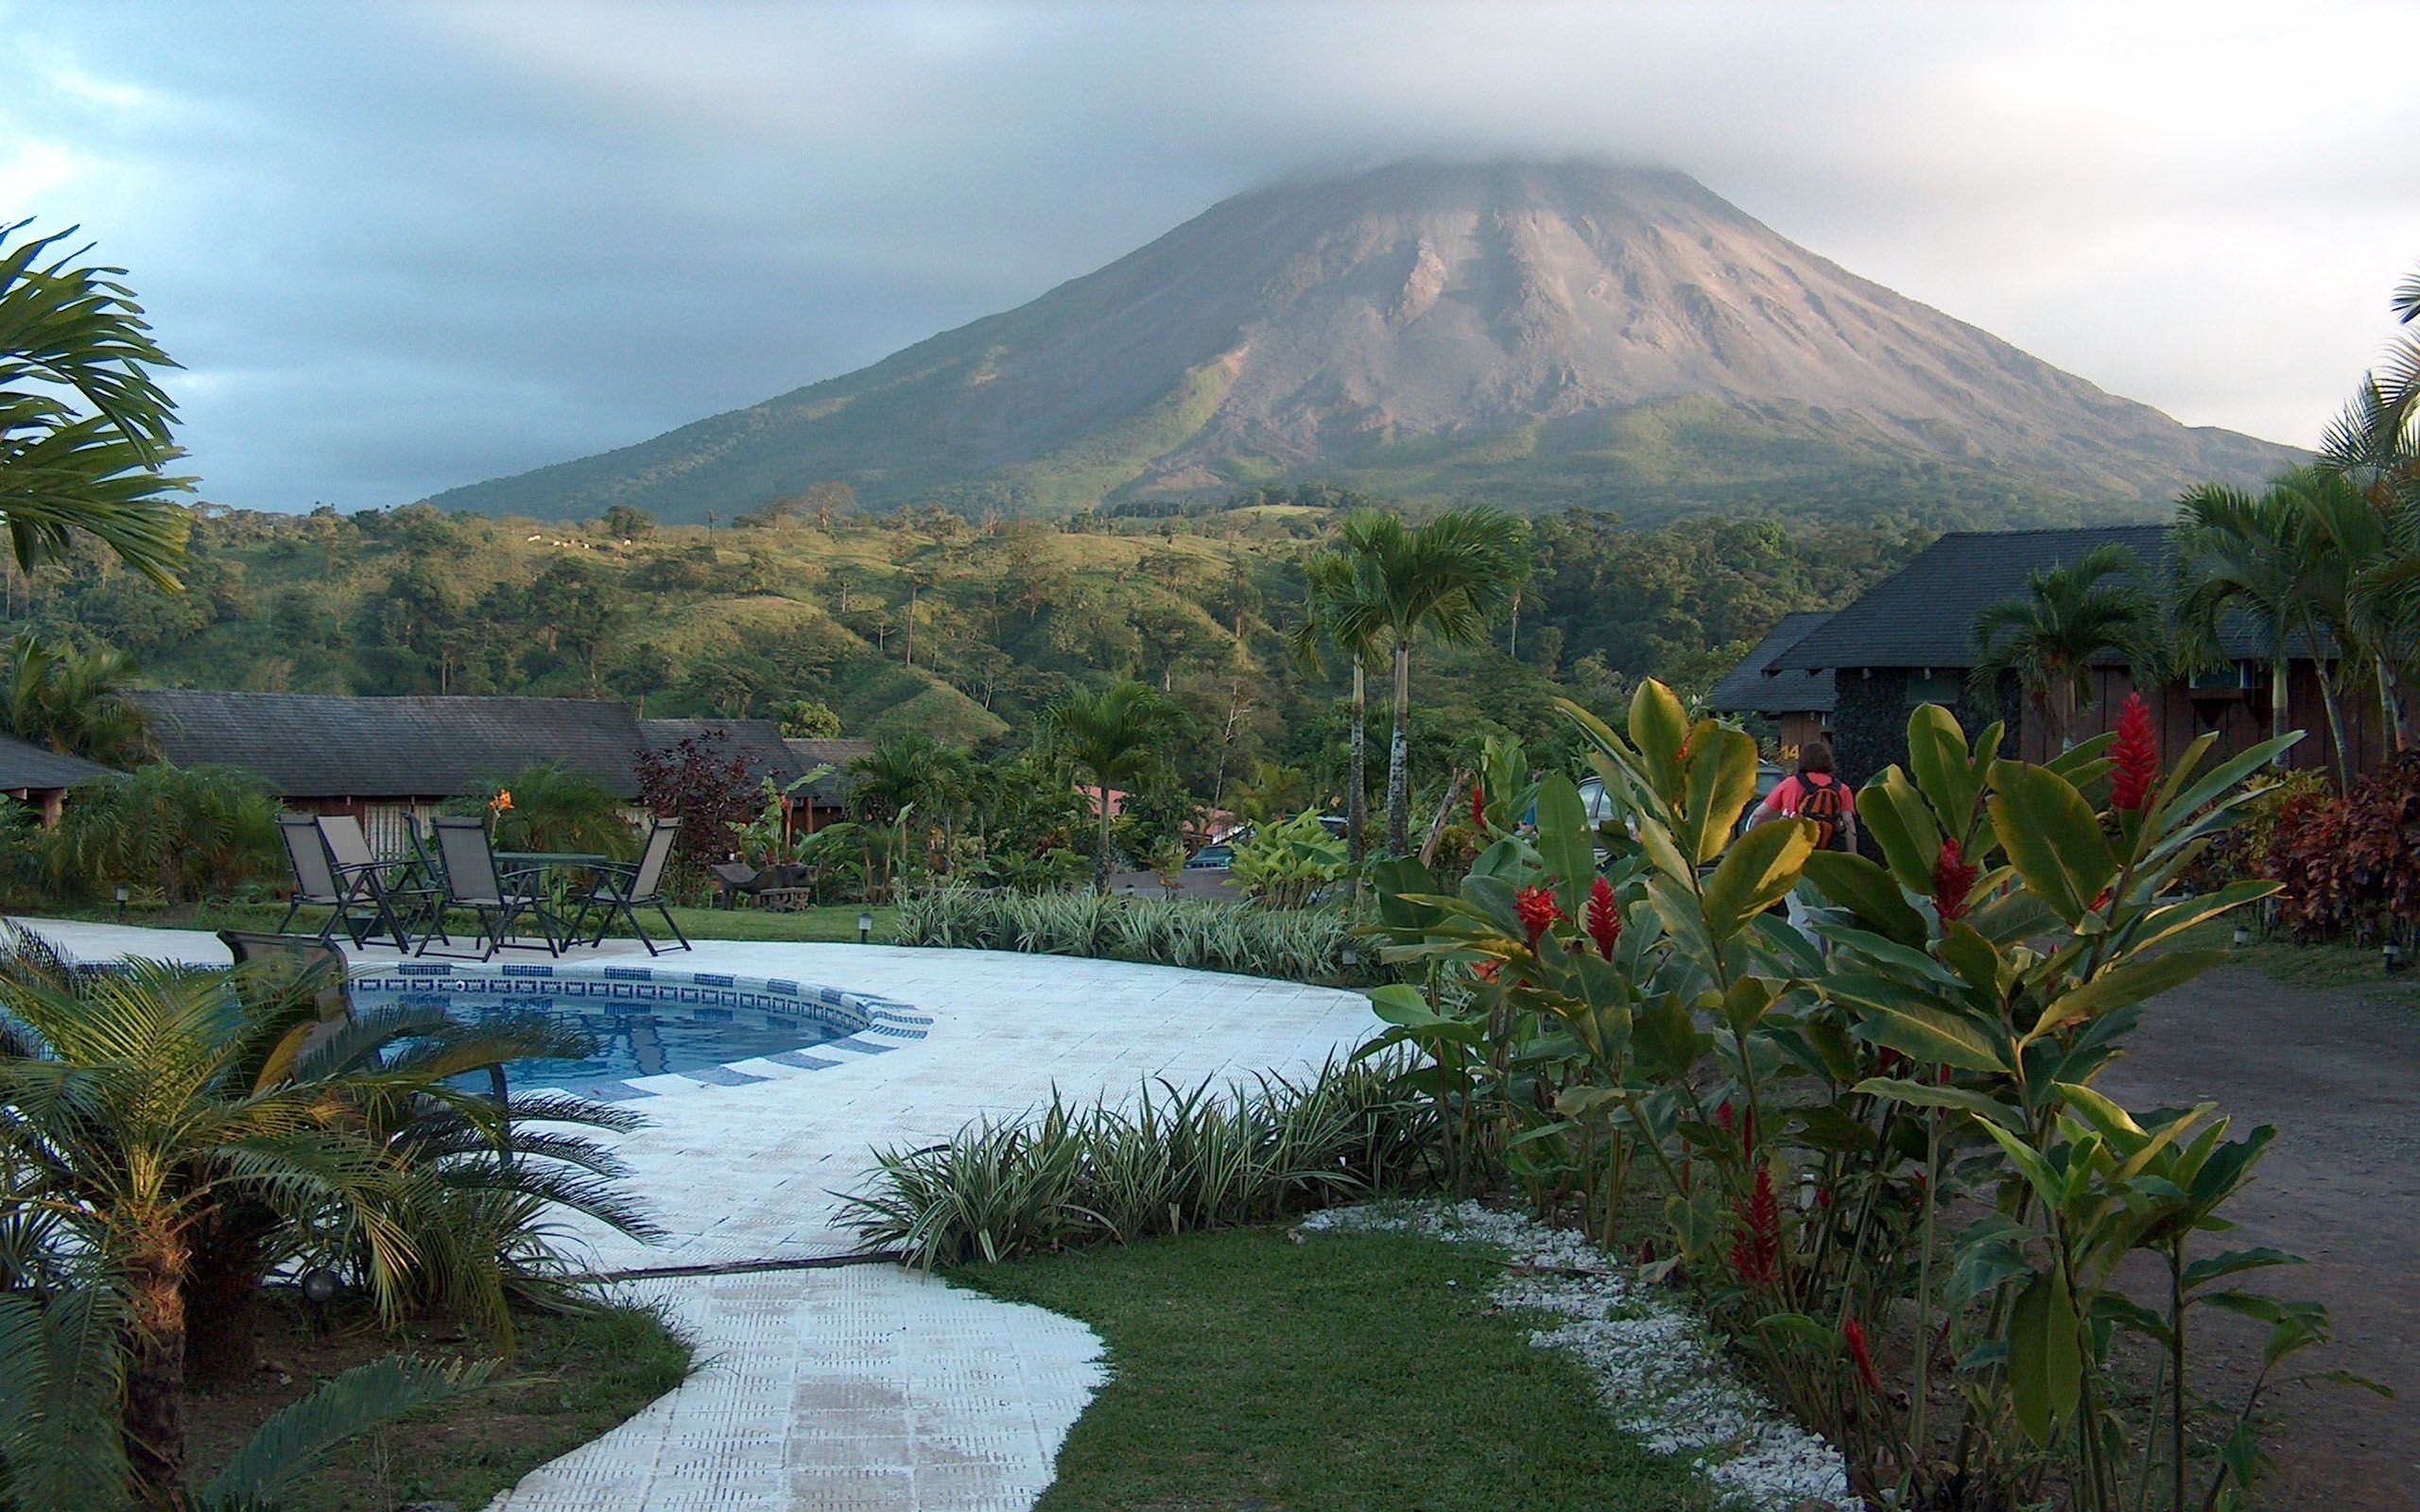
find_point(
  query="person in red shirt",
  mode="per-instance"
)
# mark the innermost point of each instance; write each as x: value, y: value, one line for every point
x: 1814, y: 793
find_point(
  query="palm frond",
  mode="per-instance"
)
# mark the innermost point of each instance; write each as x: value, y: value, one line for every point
x: 300, y: 1437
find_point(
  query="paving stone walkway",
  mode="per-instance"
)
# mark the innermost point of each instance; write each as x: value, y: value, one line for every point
x: 867, y: 1388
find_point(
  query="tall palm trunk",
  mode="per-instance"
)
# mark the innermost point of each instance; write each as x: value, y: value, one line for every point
x: 155, y: 1370
x: 2279, y: 671
x: 1356, y: 798
x: 2330, y: 697
x: 2389, y: 710
x: 1101, y: 861
x: 1399, y: 756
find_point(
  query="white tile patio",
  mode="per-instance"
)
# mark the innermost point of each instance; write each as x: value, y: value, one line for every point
x: 868, y: 1387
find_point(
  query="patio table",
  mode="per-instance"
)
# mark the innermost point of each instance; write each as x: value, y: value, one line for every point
x: 544, y: 865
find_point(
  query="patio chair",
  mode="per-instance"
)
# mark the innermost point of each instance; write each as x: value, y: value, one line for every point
x: 625, y: 890
x: 317, y: 881
x: 364, y: 875
x: 497, y: 899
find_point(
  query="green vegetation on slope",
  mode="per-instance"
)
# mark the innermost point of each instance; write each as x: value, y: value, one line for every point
x: 927, y: 622
x: 1362, y: 1373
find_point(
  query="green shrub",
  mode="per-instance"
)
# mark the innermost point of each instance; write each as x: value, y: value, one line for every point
x: 1300, y: 946
x: 192, y: 833
x: 1176, y: 1160
x: 1283, y: 865
x: 544, y: 806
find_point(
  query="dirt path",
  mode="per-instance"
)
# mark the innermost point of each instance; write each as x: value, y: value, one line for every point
x: 2338, y: 1071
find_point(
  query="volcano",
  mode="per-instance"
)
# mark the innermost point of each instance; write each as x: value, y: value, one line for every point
x: 1535, y: 335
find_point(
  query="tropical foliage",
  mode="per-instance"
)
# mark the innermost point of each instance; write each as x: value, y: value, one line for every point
x: 2069, y: 615
x: 1445, y: 579
x: 545, y: 806
x: 72, y: 700
x: 84, y: 428
x: 1286, y: 863
x: 1305, y: 946
x: 1119, y: 734
x: 1881, y: 1127
x: 191, y: 832
x: 1172, y: 1161
x: 2349, y: 865
x: 170, y: 1135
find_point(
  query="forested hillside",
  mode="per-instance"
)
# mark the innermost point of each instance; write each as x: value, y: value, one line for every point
x: 925, y: 621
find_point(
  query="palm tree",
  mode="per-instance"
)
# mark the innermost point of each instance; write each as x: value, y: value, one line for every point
x: 908, y: 775
x: 170, y: 1134
x: 1335, y: 611
x: 73, y: 701
x: 84, y: 430
x: 1114, y: 735
x: 2048, y: 636
x: 1445, y: 579
x: 2374, y: 446
x: 2265, y: 556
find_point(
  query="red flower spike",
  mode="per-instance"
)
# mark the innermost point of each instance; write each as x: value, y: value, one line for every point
x: 2101, y: 901
x: 1952, y: 879
x: 1722, y: 1119
x: 1538, y: 911
x: 2134, y: 757
x: 1755, y: 1254
x: 1486, y: 971
x: 1479, y: 807
x: 1602, y: 917
x: 1853, y: 1333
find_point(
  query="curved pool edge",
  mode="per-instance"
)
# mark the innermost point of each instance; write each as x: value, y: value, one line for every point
x: 873, y: 1025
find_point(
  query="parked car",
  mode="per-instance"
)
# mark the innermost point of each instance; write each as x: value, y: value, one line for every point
x: 1216, y: 857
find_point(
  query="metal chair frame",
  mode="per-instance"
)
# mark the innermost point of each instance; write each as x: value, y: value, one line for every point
x: 494, y: 897
x: 624, y: 889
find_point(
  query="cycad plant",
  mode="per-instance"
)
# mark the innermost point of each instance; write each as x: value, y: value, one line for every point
x: 84, y: 429
x: 2048, y: 636
x: 169, y: 1134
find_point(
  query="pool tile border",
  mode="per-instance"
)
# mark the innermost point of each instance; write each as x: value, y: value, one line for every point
x: 864, y: 1016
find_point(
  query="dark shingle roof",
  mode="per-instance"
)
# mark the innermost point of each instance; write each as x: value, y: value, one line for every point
x: 836, y: 753
x: 1923, y: 616
x: 310, y: 745
x: 1751, y: 689
x: 30, y: 768
x: 758, y: 742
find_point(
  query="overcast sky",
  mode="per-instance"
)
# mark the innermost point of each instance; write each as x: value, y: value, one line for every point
x: 403, y: 247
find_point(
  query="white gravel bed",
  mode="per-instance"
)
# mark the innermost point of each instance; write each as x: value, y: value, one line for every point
x: 1653, y: 1363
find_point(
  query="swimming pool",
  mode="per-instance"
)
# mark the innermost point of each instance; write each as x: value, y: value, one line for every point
x: 653, y: 1030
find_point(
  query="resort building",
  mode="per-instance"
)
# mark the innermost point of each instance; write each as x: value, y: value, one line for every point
x: 40, y: 776
x: 1798, y: 703
x: 1909, y: 640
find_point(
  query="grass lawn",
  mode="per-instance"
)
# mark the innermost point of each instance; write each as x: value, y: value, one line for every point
x: 835, y: 923
x: 571, y: 1378
x: 1351, y: 1373
x: 2294, y: 964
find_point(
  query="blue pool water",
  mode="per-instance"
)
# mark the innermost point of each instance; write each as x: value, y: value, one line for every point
x: 687, y: 1031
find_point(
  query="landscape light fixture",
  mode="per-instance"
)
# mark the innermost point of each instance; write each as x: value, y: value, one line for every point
x: 2242, y: 936
x: 865, y: 926
x: 2391, y: 957
x: 121, y: 902
x: 319, y: 1288
x: 1352, y: 957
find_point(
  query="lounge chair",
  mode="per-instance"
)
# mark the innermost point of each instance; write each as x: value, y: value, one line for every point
x: 625, y: 890
x: 317, y: 881
x: 364, y: 875
x: 497, y: 899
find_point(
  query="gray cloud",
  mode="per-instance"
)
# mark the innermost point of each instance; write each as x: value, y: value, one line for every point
x: 405, y: 248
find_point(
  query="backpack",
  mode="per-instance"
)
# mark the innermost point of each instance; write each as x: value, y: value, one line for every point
x: 1821, y: 806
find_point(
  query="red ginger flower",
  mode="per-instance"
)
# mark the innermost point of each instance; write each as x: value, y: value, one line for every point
x: 1755, y: 1254
x: 1479, y: 807
x: 1952, y: 879
x: 1602, y: 917
x: 2135, y: 758
x: 1854, y: 1333
x: 1538, y: 911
